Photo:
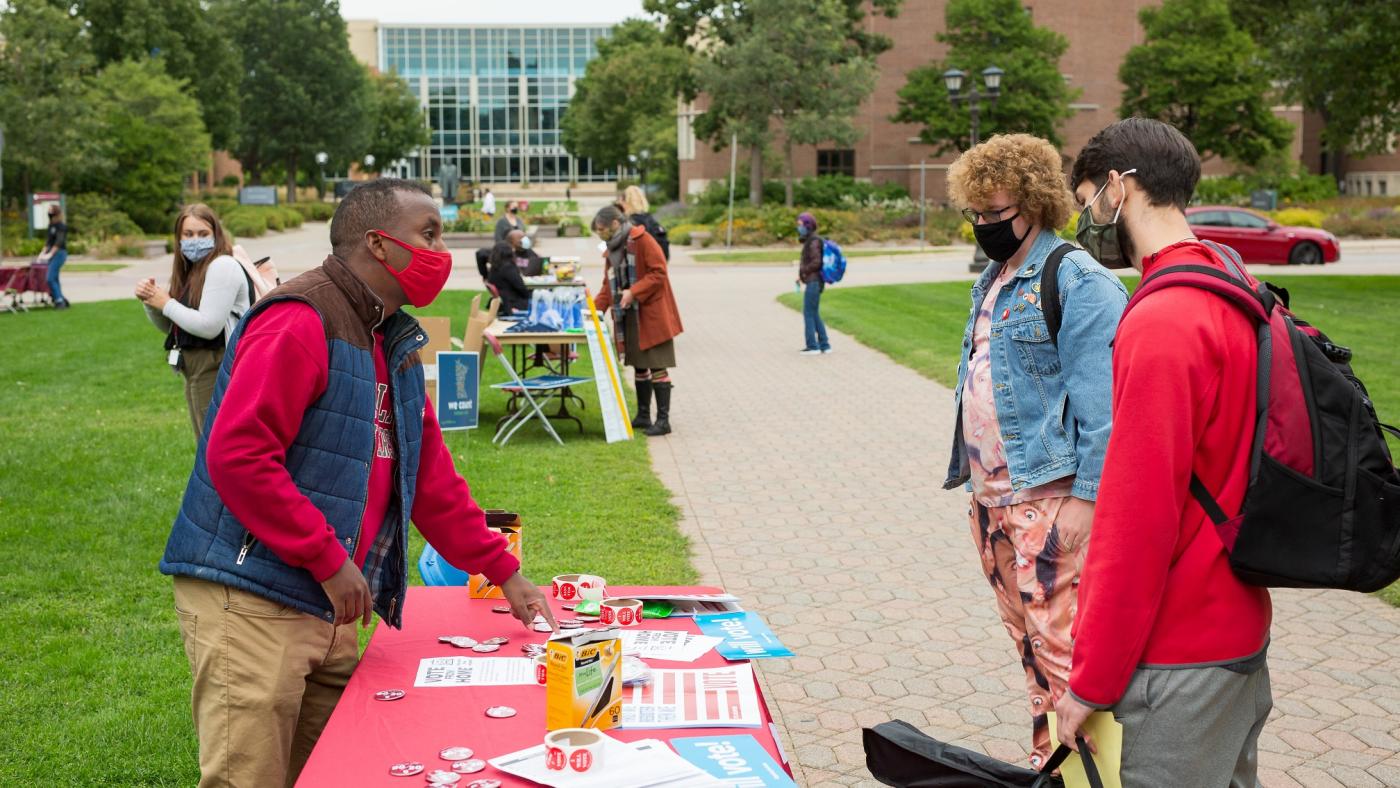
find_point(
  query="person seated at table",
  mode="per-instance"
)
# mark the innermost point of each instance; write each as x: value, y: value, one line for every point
x: 530, y: 263
x: 511, y: 221
x: 294, y: 523
x: 505, y: 276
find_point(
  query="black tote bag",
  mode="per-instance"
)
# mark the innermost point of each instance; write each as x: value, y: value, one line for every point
x: 900, y: 755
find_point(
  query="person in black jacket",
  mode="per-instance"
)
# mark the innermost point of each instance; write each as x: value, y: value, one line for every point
x: 809, y: 277
x: 634, y: 204
x: 505, y: 276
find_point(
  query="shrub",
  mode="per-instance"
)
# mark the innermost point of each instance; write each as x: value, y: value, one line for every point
x: 680, y: 234
x: 92, y: 216
x: 1376, y: 223
x: 314, y: 211
x: 229, y: 180
x: 1299, y: 217
x: 242, y: 224
x: 291, y: 217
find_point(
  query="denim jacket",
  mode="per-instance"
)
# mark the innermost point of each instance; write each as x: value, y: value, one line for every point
x: 1053, y: 403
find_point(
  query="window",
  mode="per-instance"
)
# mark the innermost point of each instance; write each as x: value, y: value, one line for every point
x: 836, y: 162
x: 1209, y: 219
x: 1248, y: 220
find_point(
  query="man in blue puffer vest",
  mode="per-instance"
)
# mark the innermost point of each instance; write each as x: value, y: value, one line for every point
x: 319, y: 447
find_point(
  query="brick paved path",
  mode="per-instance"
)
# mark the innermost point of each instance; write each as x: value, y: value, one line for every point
x: 810, y: 486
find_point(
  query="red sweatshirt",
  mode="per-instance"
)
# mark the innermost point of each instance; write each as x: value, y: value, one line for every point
x: 1157, y: 588
x: 280, y: 369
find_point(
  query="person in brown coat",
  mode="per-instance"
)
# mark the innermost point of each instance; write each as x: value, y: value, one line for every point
x: 644, y: 311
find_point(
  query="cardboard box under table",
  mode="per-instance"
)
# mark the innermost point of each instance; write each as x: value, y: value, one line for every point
x: 365, y: 737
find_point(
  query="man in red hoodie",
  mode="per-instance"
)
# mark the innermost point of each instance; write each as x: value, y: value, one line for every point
x: 1166, y: 635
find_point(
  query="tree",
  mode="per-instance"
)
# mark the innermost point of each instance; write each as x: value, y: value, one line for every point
x: 1338, y: 60
x: 399, y: 126
x: 43, y: 57
x: 706, y: 27
x: 809, y: 76
x: 302, y: 91
x: 1200, y: 73
x: 982, y: 33
x: 626, y: 101
x: 191, y: 43
x: 150, y: 134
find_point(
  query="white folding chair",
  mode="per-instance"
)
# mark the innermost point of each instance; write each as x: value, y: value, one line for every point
x: 551, y: 385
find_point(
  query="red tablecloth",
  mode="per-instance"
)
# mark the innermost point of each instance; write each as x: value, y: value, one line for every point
x: 365, y: 737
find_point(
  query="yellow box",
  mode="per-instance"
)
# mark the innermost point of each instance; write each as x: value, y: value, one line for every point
x: 508, y: 525
x: 584, y: 680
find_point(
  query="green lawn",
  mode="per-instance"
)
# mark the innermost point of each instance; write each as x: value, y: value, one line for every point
x: 920, y: 326
x: 788, y: 255
x: 97, y: 450
x: 93, y: 268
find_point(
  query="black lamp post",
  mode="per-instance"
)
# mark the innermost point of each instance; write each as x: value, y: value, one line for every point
x: 991, y: 78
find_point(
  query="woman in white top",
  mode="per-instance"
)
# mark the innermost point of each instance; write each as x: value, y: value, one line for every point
x: 209, y: 292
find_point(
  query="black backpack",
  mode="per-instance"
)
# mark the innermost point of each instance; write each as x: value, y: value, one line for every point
x: 655, y: 230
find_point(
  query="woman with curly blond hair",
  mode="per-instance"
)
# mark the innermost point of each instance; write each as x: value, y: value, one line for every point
x: 1032, y: 404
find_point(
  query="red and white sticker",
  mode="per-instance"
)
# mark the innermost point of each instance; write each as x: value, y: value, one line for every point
x: 406, y: 769
x: 571, y: 588
x: 575, y: 750
x: 542, y: 669
x: 622, y: 612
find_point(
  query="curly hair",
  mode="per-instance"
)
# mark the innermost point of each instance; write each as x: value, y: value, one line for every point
x: 1026, y: 167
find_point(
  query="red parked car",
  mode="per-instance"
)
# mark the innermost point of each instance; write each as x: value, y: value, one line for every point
x: 1260, y: 239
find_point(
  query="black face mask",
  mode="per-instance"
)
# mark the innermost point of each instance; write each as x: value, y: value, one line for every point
x: 998, y: 239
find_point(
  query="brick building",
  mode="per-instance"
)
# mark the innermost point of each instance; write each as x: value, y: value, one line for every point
x: 1100, y: 33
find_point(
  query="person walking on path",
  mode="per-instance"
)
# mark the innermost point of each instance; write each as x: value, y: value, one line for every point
x: 1032, y: 408
x: 634, y: 203
x: 209, y: 292
x: 55, y: 253
x: 488, y: 205
x: 510, y: 222
x: 1167, y: 635
x: 638, y: 289
x: 294, y: 525
x: 809, y: 277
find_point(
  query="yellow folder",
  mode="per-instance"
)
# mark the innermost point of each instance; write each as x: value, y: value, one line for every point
x: 1107, y: 735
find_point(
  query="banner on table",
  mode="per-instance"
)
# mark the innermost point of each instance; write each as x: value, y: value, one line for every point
x: 617, y: 425
x: 745, y: 635
x: 459, y: 385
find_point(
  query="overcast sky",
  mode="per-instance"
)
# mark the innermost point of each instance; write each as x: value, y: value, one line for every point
x: 477, y: 12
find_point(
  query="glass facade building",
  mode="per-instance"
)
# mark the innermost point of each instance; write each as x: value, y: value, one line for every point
x: 494, y: 98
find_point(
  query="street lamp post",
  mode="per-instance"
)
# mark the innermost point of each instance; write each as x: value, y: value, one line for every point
x: 369, y: 162
x: 991, y: 78
x: 321, y: 159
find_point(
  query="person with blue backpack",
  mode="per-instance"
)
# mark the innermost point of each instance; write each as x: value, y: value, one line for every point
x: 810, y: 279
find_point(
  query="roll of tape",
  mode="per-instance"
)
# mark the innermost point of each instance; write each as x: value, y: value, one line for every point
x: 541, y: 669
x: 622, y: 612
x: 572, y: 588
x: 577, y: 750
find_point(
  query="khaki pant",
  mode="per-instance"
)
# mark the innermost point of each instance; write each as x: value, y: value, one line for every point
x: 266, y: 678
x: 201, y: 371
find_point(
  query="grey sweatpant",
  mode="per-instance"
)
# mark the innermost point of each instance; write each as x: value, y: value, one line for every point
x: 1195, y: 727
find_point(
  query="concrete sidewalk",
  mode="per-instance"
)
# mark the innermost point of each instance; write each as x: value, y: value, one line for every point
x: 810, y: 486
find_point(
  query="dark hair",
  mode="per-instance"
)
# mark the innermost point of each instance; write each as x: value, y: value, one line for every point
x: 607, y: 215
x: 1168, y: 166
x: 369, y: 206
x: 501, y: 254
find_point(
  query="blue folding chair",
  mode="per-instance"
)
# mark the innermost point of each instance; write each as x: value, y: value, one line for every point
x: 549, y: 385
x: 437, y: 572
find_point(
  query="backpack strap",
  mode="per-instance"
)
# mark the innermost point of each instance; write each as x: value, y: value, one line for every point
x: 1050, y: 291
x: 1258, y: 305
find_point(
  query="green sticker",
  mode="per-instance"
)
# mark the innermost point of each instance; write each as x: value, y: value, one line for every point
x: 588, y: 678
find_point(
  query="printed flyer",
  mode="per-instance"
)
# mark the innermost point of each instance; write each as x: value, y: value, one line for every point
x: 708, y: 698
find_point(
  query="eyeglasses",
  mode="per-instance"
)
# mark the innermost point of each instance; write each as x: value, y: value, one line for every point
x: 987, y: 217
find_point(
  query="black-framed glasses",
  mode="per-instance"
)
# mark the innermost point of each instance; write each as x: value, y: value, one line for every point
x: 987, y: 217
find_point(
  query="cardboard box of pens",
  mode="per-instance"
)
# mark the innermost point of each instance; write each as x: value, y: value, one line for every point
x: 508, y: 525
x: 583, y: 688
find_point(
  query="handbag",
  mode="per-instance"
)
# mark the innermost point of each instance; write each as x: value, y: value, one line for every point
x: 900, y: 755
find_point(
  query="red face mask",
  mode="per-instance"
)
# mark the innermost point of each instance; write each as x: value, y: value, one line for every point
x: 425, y: 275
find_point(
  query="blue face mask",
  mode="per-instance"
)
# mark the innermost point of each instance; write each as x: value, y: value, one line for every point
x: 802, y: 231
x: 196, y: 249
x: 526, y: 243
